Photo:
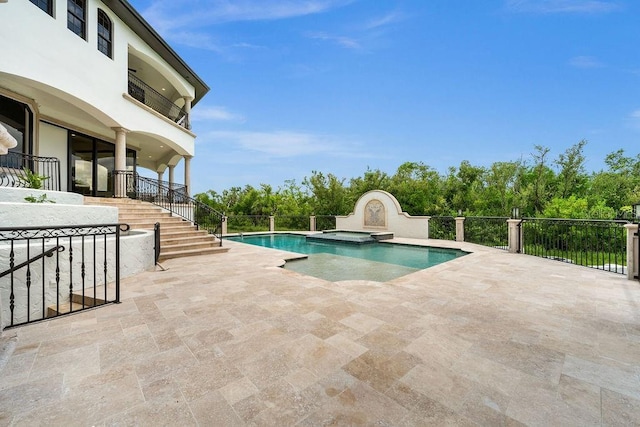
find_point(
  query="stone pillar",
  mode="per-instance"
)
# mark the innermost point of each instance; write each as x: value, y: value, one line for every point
x: 633, y: 252
x: 187, y: 174
x: 272, y: 223
x: 515, y: 236
x: 459, y: 229
x: 160, y: 175
x: 120, y: 163
x: 187, y: 110
x: 312, y: 223
x: 224, y: 224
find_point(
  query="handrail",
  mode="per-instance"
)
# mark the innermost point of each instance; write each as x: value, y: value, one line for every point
x: 175, y: 200
x: 48, y: 253
x: 15, y: 168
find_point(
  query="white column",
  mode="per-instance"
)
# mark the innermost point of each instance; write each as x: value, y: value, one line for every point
x: 120, y: 162
x: 187, y: 174
x: 312, y: 223
x: 171, y: 180
x: 160, y: 175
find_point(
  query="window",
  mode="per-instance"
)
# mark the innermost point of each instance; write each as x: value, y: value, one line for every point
x: 76, y: 17
x: 46, y: 5
x: 104, y: 33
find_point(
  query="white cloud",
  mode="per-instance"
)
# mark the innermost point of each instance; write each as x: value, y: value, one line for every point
x: 345, y: 42
x: 635, y: 114
x: 283, y: 144
x: 169, y: 15
x: 205, y: 113
x: 383, y: 21
x: 562, y: 6
x: 585, y: 62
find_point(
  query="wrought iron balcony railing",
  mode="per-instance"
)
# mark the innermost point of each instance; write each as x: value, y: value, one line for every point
x: 153, y: 99
x: 27, y: 171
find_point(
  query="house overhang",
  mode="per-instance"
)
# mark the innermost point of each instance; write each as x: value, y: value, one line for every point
x: 140, y: 26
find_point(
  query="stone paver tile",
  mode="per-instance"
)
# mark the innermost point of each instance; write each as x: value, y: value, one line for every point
x: 438, y: 383
x: 29, y: 395
x: 362, y: 322
x: 346, y: 345
x: 201, y: 378
x: 76, y: 364
x: 212, y: 409
x: 570, y: 403
x: 315, y: 355
x: 301, y: 378
x: 169, y: 413
x: 238, y: 390
x: 622, y: 380
x: 619, y: 410
x: 532, y: 359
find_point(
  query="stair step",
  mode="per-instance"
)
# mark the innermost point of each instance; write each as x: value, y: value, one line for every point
x: 88, y: 300
x: 178, y: 237
x: 64, y: 308
x: 192, y: 252
x: 186, y: 239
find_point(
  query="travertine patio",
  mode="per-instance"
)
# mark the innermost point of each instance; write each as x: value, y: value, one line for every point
x: 491, y: 338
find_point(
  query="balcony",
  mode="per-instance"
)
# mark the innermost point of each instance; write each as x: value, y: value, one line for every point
x: 153, y: 99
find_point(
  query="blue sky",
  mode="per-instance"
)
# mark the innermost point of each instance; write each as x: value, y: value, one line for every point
x: 341, y: 85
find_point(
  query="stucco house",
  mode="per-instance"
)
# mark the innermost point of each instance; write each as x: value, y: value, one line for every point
x: 93, y: 84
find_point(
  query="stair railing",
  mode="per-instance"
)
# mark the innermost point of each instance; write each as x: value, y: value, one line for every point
x: 67, y: 269
x: 175, y: 200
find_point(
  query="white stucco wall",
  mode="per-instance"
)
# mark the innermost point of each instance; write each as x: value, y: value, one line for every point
x: 396, y: 221
x: 53, y: 143
x: 136, y: 255
x: 17, y: 195
x: 72, y: 69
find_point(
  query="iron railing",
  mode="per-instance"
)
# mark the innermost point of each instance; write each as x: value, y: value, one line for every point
x: 490, y: 231
x: 175, y: 200
x: 325, y: 222
x: 17, y: 169
x: 600, y: 244
x: 247, y: 223
x: 291, y: 223
x: 153, y: 99
x: 59, y: 270
x: 442, y: 227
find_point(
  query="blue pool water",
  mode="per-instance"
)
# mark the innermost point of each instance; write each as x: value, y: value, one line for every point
x: 344, y: 261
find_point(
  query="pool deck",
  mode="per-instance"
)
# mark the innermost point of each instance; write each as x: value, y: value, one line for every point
x: 491, y: 338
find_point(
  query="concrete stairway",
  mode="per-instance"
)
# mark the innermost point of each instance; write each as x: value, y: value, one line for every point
x: 178, y: 238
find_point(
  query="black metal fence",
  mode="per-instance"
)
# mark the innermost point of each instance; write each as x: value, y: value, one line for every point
x: 442, y: 227
x: 291, y: 223
x: 600, y: 244
x: 487, y: 231
x: 51, y: 271
x: 27, y: 171
x: 150, y: 97
x: 247, y: 223
x: 325, y: 222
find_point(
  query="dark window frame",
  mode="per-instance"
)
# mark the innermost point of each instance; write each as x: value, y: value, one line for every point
x: 77, y: 17
x: 105, y: 34
x: 44, y: 5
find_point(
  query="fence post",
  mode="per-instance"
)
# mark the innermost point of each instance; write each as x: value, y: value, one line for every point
x: 312, y: 223
x: 633, y: 252
x: 224, y: 225
x: 272, y: 223
x: 515, y: 236
x: 459, y: 229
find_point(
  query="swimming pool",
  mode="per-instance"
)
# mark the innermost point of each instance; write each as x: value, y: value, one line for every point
x: 343, y: 261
